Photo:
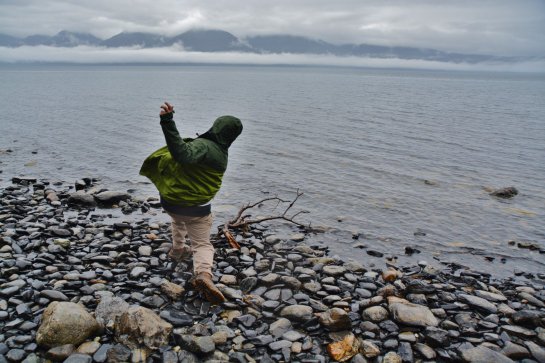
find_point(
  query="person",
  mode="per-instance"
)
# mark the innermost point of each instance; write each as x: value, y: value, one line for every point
x: 188, y: 174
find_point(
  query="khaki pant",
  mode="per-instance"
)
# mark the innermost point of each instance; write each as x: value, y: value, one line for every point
x: 198, y: 231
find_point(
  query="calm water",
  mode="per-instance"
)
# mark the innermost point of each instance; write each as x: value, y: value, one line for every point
x: 359, y: 143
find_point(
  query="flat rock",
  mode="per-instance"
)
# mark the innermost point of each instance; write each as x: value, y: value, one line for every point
x: 300, y: 313
x: 408, y: 313
x: 110, y: 198
x: 482, y: 354
x: 479, y: 303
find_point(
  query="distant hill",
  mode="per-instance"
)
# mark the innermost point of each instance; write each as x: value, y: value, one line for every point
x: 144, y: 40
x: 61, y: 39
x: 210, y: 41
x: 222, y: 41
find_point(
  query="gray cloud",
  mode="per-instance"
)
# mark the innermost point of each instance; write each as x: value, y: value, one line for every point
x: 498, y: 27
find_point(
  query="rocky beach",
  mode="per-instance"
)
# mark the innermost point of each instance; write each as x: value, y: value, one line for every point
x: 79, y: 286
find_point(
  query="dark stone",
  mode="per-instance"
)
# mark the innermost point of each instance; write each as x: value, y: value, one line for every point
x: 247, y: 284
x: 419, y: 287
x: 506, y: 193
x: 375, y: 253
x: 436, y: 337
x: 247, y: 320
x: 15, y: 355
x: 529, y: 318
x: 118, y: 354
x: 101, y: 354
x: 195, y: 344
x: 405, y: 352
x: 176, y: 318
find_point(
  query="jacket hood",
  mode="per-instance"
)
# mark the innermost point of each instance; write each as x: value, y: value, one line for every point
x: 224, y: 131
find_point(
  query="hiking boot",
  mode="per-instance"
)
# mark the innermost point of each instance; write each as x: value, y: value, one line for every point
x: 203, y: 283
x: 180, y: 254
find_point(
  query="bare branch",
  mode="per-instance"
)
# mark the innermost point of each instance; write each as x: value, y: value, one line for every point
x: 244, y: 221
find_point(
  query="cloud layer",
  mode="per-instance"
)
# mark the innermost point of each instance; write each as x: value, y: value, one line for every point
x: 498, y: 27
x: 176, y: 55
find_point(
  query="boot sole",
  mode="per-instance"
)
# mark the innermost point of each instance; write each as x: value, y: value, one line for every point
x: 211, y: 296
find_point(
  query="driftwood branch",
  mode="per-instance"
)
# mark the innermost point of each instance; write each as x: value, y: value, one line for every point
x: 244, y: 219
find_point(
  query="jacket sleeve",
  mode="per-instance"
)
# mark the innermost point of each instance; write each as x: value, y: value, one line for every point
x: 181, y: 151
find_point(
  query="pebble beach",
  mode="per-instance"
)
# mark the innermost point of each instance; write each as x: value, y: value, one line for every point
x: 79, y: 286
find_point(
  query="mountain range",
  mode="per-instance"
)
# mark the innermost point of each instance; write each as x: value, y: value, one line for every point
x: 222, y: 41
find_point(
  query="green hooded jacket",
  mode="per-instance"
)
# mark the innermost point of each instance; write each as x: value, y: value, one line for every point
x: 188, y: 172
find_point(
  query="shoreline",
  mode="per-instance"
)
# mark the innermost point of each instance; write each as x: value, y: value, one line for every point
x: 287, y: 301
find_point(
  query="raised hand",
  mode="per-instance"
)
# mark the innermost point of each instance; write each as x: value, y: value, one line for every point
x: 166, y: 108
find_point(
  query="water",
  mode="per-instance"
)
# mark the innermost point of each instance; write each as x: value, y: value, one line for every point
x: 359, y: 143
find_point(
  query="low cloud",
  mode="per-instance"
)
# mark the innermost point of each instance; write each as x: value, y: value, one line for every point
x: 177, y: 55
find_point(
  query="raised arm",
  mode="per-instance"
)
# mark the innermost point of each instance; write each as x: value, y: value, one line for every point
x: 181, y: 151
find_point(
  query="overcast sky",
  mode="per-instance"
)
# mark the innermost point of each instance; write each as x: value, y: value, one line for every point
x: 500, y: 27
